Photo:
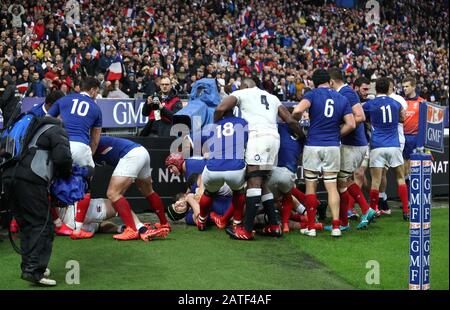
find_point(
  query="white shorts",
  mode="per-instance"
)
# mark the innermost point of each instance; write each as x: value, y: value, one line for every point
x: 352, y: 157
x: 386, y: 157
x: 322, y: 158
x: 262, y: 149
x: 281, y: 181
x: 214, y: 180
x: 95, y: 214
x: 81, y: 154
x: 135, y: 164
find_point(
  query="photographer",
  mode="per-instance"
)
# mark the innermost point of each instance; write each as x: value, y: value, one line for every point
x: 8, y: 98
x: 160, y: 108
x: 26, y: 188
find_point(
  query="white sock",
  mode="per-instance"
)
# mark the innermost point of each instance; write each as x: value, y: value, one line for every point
x: 57, y: 222
x: 301, y: 209
x: 78, y: 226
x: 382, y: 195
x: 139, y: 226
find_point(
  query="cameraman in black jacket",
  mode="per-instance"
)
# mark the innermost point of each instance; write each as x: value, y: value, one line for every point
x: 26, y: 187
x: 160, y: 109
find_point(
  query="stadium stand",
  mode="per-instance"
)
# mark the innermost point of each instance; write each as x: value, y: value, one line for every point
x: 280, y: 43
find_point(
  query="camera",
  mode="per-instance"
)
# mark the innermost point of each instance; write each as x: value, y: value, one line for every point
x: 155, y: 102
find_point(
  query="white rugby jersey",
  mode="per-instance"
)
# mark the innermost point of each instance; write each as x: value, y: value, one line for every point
x: 259, y: 108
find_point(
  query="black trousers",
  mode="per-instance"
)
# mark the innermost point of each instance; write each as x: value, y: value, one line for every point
x: 30, y: 207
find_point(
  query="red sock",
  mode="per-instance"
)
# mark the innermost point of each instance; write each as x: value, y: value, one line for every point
x: 299, y: 195
x: 336, y: 224
x: 54, y: 214
x: 311, y: 209
x: 343, y: 208
x: 296, y: 217
x: 351, y: 202
x: 403, y: 194
x: 238, y: 204
x: 123, y: 208
x: 157, y: 205
x: 355, y: 192
x: 82, y: 208
x: 205, y: 205
x: 287, y: 204
x: 374, y: 199
x: 229, y: 213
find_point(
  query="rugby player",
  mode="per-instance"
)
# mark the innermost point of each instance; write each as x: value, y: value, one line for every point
x: 260, y: 109
x: 384, y: 114
x: 82, y: 119
x: 132, y: 164
x: 327, y: 110
x: 353, y: 150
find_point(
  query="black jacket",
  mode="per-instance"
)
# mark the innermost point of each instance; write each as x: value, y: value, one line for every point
x: 55, y: 141
x: 8, y: 102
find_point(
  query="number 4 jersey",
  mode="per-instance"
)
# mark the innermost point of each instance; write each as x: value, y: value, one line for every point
x: 326, y: 112
x: 79, y: 114
x: 383, y: 113
x: 259, y: 108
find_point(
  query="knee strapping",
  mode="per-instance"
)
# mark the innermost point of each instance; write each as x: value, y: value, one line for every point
x: 253, y: 192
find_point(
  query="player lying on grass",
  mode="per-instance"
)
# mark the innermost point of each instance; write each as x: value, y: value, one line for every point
x: 187, y: 205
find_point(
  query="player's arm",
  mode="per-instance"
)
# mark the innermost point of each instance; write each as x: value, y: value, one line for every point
x: 293, y: 124
x: 401, y: 115
x: 349, y: 124
x: 95, y: 138
x: 227, y: 104
x: 301, y: 108
x: 358, y: 113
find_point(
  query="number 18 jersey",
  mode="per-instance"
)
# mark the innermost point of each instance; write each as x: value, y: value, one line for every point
x: 327, y: 109
x: 259, y: 108
x: 79, y: 114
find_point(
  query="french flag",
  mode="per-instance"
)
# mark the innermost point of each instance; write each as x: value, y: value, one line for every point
x: 95, y: 54
x: 308, y: 43
x: 322, y: 30
x: 244, y: 40
x: 252, y: 34
x: 347, y: 67
x: 404, y: 19
x: 244, y: 18
x: 265, y: 35
x: 229, y: 33
x: 22, y: 87
x: 129, y: 13
x: 114, y: 71
x: 150, y: 11
x: 75, y: 62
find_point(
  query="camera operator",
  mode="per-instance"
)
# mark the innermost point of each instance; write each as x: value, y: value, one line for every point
x: 8, y: 98
x: 26, y: 187
x: 160, y: 109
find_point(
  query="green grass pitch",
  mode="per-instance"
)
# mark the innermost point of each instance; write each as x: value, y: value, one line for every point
x: 190, y: 259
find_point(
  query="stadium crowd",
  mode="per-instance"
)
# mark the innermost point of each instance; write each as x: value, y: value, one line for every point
x: 280, y: 43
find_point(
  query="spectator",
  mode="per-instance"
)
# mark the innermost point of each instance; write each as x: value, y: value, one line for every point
x: 8, y: 98
x: 16, y: 10
x: 160, y: 109
x: 37, y: 88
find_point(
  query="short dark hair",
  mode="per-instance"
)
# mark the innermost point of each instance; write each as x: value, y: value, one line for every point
x: 382, y: 85
x: 89, y: 83
x: 53, y: 96
x: 361, y: 80
x: 410, y: 79
x: 320, y: 76
x: 391, y: 80
x: 336, y: 74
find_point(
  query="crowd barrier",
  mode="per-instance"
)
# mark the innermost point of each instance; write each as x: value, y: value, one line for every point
x: 167, y: 184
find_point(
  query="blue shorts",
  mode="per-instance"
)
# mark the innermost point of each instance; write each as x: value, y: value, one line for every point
x: 410, y: 145
x: 220, y: 206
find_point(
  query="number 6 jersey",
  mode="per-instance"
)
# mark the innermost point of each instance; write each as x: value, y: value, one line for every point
x: 79, y: 114
x: 326, y: 114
